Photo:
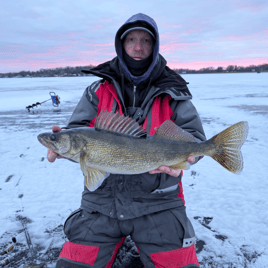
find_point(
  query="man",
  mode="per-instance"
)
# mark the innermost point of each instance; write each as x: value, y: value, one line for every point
x: 150, y: 206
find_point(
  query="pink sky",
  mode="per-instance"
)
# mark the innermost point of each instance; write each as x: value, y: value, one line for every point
x: 197, y: 35
x: 205, y: 64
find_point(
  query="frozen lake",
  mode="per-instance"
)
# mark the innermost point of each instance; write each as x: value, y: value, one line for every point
x: 229, y: 212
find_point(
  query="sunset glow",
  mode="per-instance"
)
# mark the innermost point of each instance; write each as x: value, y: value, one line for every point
x: 192, y: 36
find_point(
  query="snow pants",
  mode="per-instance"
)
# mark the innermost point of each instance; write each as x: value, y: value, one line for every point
x: 163, y: 239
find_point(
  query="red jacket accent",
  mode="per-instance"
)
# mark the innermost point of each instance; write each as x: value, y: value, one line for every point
x: 161, y: 111
x: 106, y: 94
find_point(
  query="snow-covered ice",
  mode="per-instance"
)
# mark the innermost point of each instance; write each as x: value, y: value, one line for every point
x: 229, y: 212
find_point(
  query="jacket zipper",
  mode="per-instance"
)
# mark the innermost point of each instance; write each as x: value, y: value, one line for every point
x: 134, y: 92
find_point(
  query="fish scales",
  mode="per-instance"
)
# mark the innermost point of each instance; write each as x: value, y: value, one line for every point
x: 129, y: 155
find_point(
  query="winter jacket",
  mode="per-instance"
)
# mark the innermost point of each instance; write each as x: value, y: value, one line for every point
x: 162, y: 94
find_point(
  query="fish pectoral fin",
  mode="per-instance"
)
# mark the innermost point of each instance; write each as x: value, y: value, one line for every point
x: 182, y: 165
x: 93, y: 177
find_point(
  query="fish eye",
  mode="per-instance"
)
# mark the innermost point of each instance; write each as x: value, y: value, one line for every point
x: 53, y: 137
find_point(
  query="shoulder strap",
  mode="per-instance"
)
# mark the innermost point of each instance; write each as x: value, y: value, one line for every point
x: 115, y: 104
x: 149, y: 121
x: 173, y: 105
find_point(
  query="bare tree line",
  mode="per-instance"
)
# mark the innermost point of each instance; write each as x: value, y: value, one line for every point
x: 229, y: 69
x: 76, y: 71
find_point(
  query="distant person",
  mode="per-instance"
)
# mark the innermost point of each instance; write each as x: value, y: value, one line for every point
x: 149, y: 207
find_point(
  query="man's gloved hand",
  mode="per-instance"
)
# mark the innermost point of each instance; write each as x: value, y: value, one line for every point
x: 51, y: 156
x: 171, y: 171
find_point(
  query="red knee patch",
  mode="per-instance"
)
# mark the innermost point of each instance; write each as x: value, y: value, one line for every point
x: 175, y: 258
x: 79, y: 253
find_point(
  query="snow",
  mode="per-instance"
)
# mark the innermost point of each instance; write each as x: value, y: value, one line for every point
x: 229, y: 212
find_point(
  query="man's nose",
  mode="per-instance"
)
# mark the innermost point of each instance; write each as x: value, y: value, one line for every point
x: 138, y: 46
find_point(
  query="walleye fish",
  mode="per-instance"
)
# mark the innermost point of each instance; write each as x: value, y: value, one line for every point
x: 116, y: 145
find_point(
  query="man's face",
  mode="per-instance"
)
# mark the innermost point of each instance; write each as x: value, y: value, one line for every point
x: 138, y: 44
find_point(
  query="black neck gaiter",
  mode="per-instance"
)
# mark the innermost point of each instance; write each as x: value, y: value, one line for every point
x: 137, y: 67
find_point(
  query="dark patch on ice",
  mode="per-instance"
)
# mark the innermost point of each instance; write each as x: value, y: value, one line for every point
x: 57, y: 111
x: 22, y: 155
x: 250, y: 256
x: 224, y: 98
x: 22, y: 256
x: 23, y: 220
x: 257, y: 95
x: 205, y: 221
x: 20, y: 196
x: 256, y: 109
x: 209, y: 262
x: 57, y: 229
x: 199, y: 246
x: 221, y: 237
x: 9, y: 178
x: 43, y: 158
x: 193, y: 173
x: 18, y: 182
x: 43, y: 119
x: 207, y: 120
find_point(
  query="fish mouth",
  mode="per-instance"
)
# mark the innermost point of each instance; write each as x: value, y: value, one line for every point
x: 43, y: 139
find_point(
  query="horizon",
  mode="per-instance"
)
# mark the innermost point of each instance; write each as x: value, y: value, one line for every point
x: 48, y: 34
x: 186, y: 69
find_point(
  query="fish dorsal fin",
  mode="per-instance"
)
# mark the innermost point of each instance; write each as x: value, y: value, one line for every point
x: 170, y: 130
x: 117, y: 123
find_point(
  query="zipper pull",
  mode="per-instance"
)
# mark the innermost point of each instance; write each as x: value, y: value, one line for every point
x: 134, y: 91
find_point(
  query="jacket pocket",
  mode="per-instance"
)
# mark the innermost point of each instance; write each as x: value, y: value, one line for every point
x: 67, y: 227
x: 167, y: 184
x: 79, y: 223
x: 189, y: 234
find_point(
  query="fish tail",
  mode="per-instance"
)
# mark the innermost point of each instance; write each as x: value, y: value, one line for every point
x: 227, y: 147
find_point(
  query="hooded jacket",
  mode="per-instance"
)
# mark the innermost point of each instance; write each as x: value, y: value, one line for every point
x: 130, y: 196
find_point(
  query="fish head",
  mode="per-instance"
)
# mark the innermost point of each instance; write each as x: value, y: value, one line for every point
x: 59, y: 142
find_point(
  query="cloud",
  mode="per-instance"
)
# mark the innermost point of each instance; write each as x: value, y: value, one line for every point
x: 37, y: 34
x: 175, y: 47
